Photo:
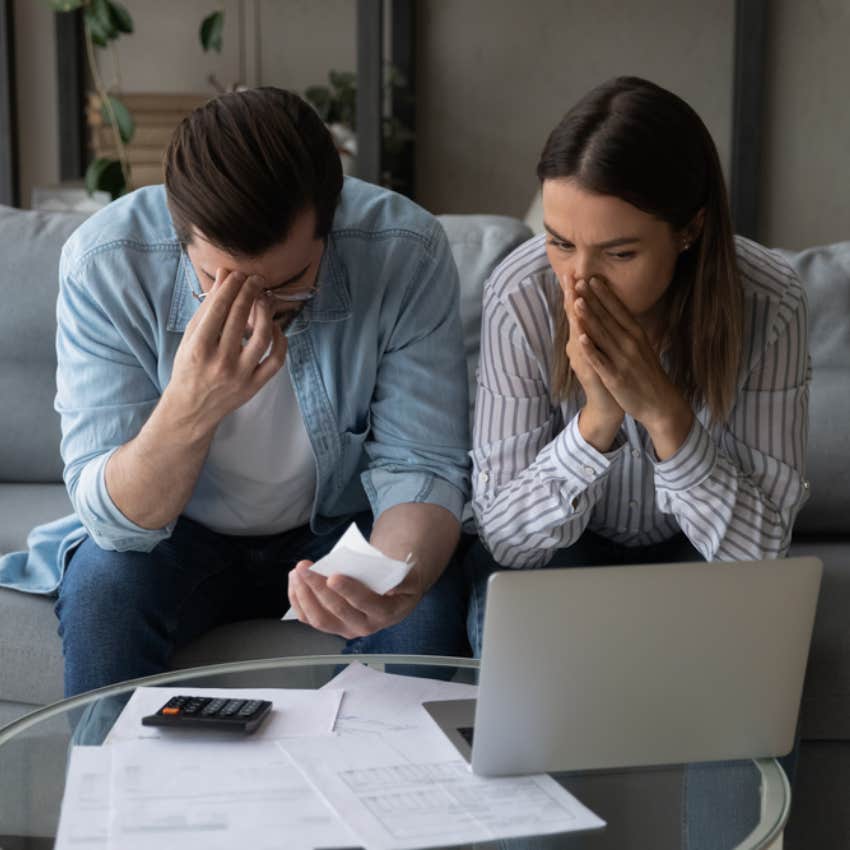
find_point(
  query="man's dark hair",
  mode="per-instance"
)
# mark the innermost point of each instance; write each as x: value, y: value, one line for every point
x: 244, y: 165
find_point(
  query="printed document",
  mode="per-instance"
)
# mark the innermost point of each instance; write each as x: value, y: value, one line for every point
x: 84, y: 818
x: 200, y: 797
x: 403, y: 790
x: 144, y: 794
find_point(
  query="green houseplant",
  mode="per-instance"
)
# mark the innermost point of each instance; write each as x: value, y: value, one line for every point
x: 107, y: 20
x: 336, y: 104
x: 104, y: 22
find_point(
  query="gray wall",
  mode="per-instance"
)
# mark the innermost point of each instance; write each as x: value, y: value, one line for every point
x: 805, y: 181
x: 494, y: 76
x: 497, y: 75
x: 38, y: 125
x: 290, y: 44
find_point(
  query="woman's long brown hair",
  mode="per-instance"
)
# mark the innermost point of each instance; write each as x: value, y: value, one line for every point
x: 636, y: 141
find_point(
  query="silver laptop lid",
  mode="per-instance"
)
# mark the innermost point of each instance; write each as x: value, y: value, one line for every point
x: 604, y: 667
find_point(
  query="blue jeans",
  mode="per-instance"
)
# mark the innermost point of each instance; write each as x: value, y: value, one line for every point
x: 719, y: 808
x: 122, y: 614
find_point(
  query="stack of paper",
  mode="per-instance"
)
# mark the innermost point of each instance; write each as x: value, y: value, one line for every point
x: 152, y: 787
x: 357, y: 763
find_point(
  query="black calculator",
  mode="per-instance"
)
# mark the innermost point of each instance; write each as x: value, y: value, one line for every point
x: 233, y: 715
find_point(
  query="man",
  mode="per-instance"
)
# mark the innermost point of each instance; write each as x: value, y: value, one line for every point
x: 248, y: 358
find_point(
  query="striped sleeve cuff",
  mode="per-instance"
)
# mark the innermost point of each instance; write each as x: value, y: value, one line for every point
x: 692, y: 463
x: 577, y: 458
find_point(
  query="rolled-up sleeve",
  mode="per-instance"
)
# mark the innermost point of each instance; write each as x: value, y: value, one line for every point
x: 419, y: 437
x: 104, y: 396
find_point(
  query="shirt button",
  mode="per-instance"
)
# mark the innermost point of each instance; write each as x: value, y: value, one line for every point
x: 590, y: 470
x: 633, y: 503
x: 805, y: 485
x: 483, y: 477
x: 635, y: 453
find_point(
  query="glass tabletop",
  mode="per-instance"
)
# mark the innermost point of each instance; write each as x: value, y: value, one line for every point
x: 680, y: 806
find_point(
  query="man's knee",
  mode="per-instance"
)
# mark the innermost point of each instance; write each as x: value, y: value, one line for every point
x: 113, y: 620
x: 99, y: 583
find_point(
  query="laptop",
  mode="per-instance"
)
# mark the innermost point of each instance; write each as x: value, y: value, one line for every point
x: 614, y: 667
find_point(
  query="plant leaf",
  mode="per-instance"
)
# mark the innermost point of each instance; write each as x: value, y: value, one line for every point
x: 99, y: 35
x: 343, y: 79
x: 320, y: 98
x: 99, y: 9
x: 120, y: 17
x: 212, y: 28
x: 65, y: 5
x: 126, y: 125
x: 105, y: 175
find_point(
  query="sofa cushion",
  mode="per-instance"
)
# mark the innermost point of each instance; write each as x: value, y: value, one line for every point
x: 825, y: 272
x: 825, y: 710
x: 29, y: 255
x: 263, y: 638
x: 30, y: 243
x: 23, y: 506
x: 478, y: 243
x: 828, y: 456
x: 30, y: 649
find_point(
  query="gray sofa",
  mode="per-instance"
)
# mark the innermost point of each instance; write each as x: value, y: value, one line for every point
x: 31, y: 492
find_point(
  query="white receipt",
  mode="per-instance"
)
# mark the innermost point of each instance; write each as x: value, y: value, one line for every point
x: 355, y: 557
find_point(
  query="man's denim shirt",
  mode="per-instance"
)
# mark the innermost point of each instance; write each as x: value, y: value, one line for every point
x: 376, y: 361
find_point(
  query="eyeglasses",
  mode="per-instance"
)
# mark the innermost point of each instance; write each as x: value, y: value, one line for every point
x: 283, y: 297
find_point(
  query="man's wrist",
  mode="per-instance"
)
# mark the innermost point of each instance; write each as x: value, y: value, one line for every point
x: 182, y: 426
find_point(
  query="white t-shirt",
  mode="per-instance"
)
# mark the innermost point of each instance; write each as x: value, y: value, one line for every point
x: 259, y: 477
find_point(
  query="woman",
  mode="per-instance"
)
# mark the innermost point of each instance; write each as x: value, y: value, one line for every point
x: 643, y: 385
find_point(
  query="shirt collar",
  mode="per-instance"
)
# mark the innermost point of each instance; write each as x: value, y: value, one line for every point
x: 331, y: 304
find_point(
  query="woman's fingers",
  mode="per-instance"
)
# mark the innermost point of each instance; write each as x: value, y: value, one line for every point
x: 612, y: 304
x: 594, y: 321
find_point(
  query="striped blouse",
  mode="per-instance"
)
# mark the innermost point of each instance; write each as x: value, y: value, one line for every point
x: 733, y: 489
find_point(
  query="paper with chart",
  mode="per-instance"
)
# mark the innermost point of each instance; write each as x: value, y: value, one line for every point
x: 241, y: 794
x: 403, y: 790
x: 386, y: 779
x: 354, y: 556
x: 294, y: 712
x: 84, y: 818
x: 383, y: 702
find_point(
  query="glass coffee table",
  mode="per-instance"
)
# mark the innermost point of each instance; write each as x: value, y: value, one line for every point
x: 642, y: 808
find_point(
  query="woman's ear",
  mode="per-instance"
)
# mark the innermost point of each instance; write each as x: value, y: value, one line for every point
x: 692, y: 231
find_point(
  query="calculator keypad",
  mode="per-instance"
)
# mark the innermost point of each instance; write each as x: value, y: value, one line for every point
x: 211, y: 712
